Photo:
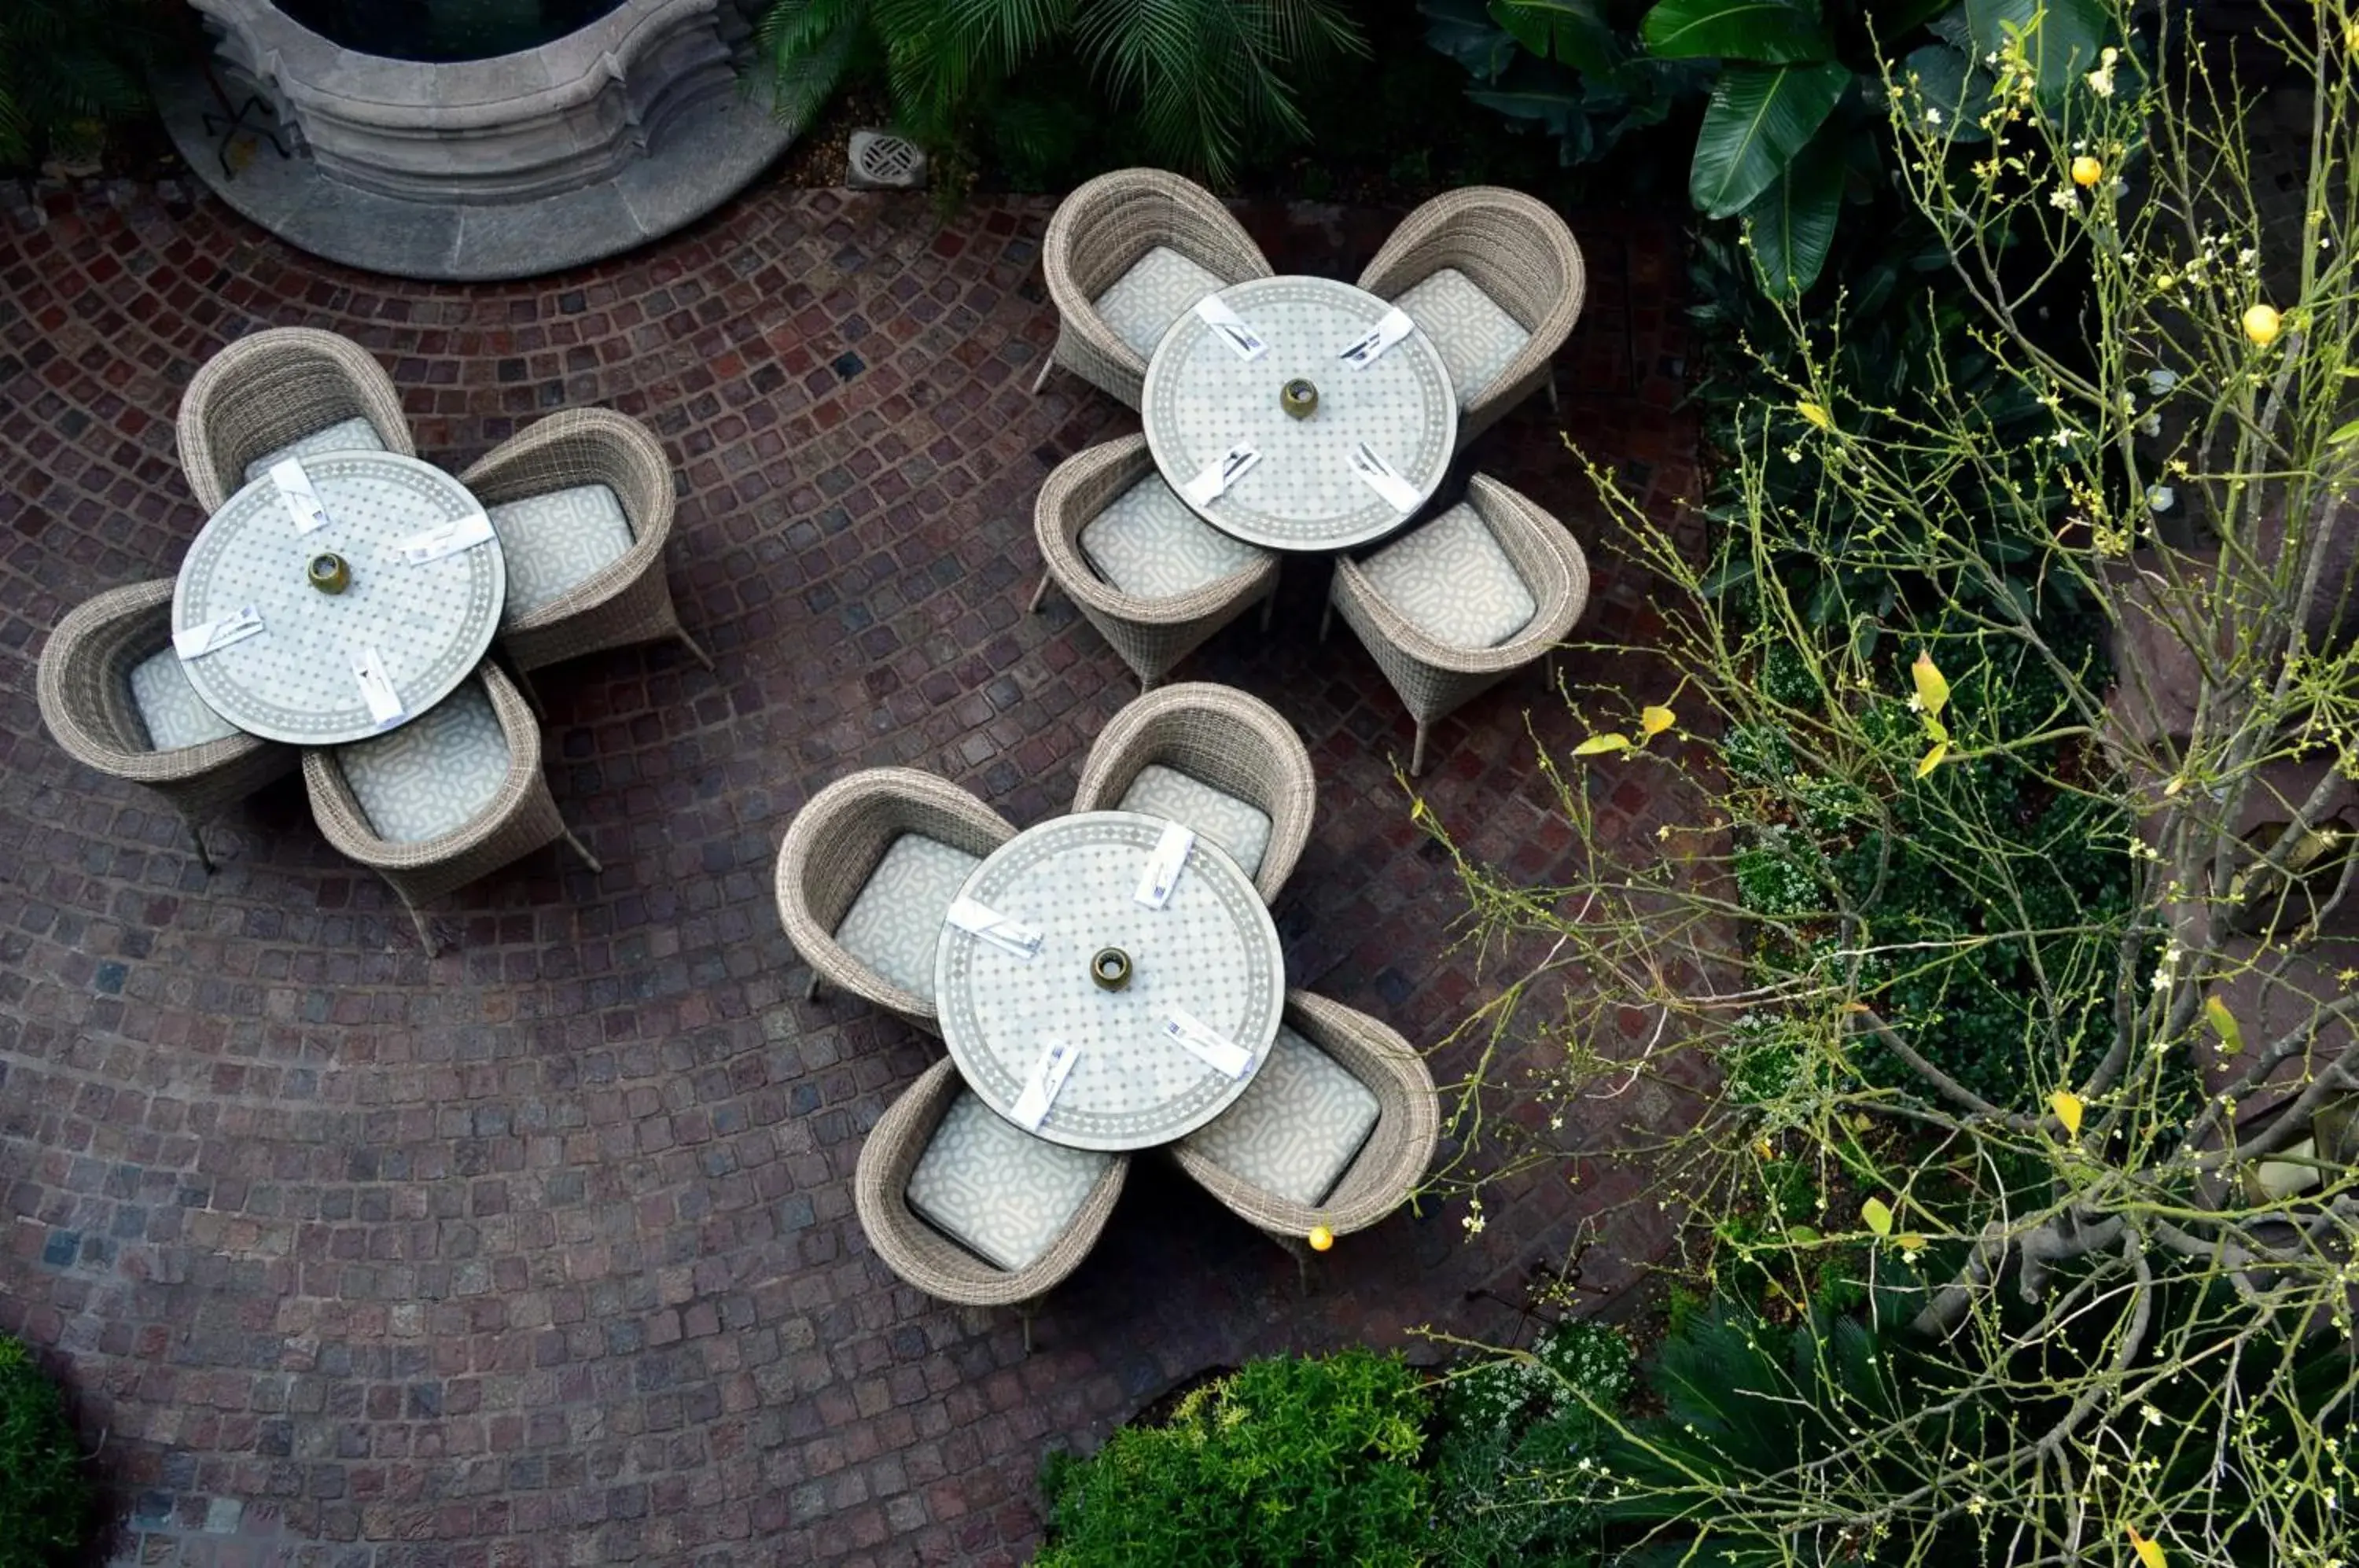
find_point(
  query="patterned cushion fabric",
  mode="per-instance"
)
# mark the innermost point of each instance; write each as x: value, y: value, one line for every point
x: 1240, y: 827
x: 994, y: 1189
x: 344, y: 435
x: 1296, y: 1127
x: 1450, y: 580
x: 1475, y: 336
x: 175, y: 715
x: 435, y: 774
x: 1159, y: 287
x: 1149, y: 544
x: 554, y: 540
x: 893, y: 923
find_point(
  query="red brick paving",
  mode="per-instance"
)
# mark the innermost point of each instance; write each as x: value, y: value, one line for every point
x: 542, y: 1252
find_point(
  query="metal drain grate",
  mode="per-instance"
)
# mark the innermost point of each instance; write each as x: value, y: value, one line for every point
x: 880, y: 161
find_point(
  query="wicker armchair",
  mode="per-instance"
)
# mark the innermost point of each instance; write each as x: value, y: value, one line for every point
x: 1389, y: 1166
x: 1233, y: 752
x: 1151, y: 632
x: 426, y: 758
x: 868, y: 823
x: 89, y: 706
x: 929, y: 1259
x: 1520, y: 257
x: 270, y: 392
x: 1100, y: 234
x: 1434, y: 677
x: 583, y: 503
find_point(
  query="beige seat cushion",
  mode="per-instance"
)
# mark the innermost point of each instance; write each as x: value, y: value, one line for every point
x: 1476, y: 337
x: 1149, y: 544
x: 896, y: 919
x: 437, y: 773
x: 1239, y: 827
x: 1296, y: 1127
x: 554, y: 540
x: 1159, y: 287
x: 344, y: 435
x: 997, y: 1191
x: 175, y: 715
x: 1450, y: 580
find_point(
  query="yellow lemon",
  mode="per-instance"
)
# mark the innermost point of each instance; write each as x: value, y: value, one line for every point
x: 1321, y: 1239
x: 2087, y: 170
x: 2262, y: 325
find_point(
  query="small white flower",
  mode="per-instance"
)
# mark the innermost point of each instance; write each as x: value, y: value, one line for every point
x: 2149, y: 1414
x: 2065, y: 198
x: 2159, y: 498
x: 2246, y: 256
x: 2063, y: 438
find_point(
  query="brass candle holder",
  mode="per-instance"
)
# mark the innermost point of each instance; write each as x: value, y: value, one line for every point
x: 329, y: 573
x: 1299, y: 397
x: 1110, y: 968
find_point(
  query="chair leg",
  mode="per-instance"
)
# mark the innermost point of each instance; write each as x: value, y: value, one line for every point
x: 425, y: 930
x: 811, y: 988
x: 1326, y: 617
x: 1416, y: 752
x: 694, y: 647
x: 531, y: 692
x: 582, y: 850
x: 1041, y: 380
x: 1551, y: 388
x: 1039, y: 596
x: 1268, y: 608
x: 205, y: 857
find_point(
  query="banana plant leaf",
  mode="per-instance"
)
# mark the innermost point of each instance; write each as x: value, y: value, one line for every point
x: 1464, y: 30
x: 1760, y: 117
x: 1792, y: 223
x: 1773, y: 31
x: 1953, y: 87
x: 1577, y: 32
x: 2063, y: 36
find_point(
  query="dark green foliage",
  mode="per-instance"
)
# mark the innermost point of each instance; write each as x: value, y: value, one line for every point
x: 1506, y: 1477
x: 69, y: 67
x: 46, y: 1499
x: 1292, y: 1460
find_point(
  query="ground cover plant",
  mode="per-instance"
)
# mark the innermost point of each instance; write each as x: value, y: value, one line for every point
x: 46, y: 1499
x: 2024, y: 1197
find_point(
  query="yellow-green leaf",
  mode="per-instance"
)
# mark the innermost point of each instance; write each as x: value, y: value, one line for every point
x: 1932, y: 690
x: 1909, y: 1242
x: 1802, y: 1233
x: 2344, y: 434
x: 2066, y: 1106
x: 1816, y: 414
x: 2223, y: 1024
x: 1932, y: 759
x: 1596, y: 745
x: 1654, y: 720
x: 1877, y: 1215
x: 1935, y: 729
x: 2149, y: 1553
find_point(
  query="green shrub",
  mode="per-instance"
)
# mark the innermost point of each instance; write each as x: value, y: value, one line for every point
x: 45, y: 1495
x: 1512, y: 1431
x: 68, y: 70
x: 1291, y: 1461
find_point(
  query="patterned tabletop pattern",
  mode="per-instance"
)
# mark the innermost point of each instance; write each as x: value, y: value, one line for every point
x: 1200, y: 398
x: 431, y: 622
x: 1210, y: 951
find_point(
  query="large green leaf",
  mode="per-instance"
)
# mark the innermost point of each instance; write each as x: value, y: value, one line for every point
x: 1957, y: 91
x: 1574, y: 31
x: 1464, y: 30
x: 2061, y: 37
x: 1792, y: 223
x: 1759, y: 118
x: 1775, y: 31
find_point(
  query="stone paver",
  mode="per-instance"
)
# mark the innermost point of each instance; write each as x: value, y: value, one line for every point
x: 542, y: 1252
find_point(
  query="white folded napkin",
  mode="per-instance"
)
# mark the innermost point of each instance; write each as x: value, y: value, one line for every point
x: 376, y: 687
x: 1000, y: 930
x: 1384, y: 479
x: 464, y: 533
x: 1230, y: 327
x: 294, y: 488
x: 1216, y: 1051
x: 1162, y: 873
x: 1214, y: 479
x: 1031, y: 1107
x: 1364, y: 352
x: 195, y: 642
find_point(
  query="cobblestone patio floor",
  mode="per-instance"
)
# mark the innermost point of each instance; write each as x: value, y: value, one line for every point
x: 542, y: 1252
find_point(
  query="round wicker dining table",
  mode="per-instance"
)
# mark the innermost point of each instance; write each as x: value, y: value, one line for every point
x: 1200, y: 398
x: 430, y: 623
x: 1210, y: 951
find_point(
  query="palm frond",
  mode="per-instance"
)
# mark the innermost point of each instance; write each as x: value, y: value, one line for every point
x: 810, y: 44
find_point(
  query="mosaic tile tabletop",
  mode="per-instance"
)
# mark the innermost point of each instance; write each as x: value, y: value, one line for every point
x: 431, y: 622
x: 1200, y: 397
x: 1212, y: 950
